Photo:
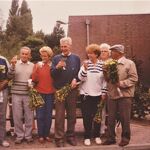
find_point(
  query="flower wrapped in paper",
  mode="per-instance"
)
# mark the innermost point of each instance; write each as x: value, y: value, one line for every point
x: 61, y: 94
x: 111, y: 73
x: 98, y: 115
x: 36, y: 99
x: 2, y: 69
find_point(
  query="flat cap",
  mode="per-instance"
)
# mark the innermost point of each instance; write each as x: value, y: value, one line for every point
x: 117, y: 47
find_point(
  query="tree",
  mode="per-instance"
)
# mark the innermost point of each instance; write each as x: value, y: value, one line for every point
x: 52, y: 40
x: 19, y: 24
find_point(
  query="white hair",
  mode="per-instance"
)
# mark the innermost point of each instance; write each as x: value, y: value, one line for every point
x: 27, y: 48
x: 66, y: 40
x: 104, y: 46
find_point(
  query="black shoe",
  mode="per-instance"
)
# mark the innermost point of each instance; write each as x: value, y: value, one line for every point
x: 123, y: 143
x: 72, y: 141
x: 59, y: 143
x: 30, y: 140
x: 109, y: 142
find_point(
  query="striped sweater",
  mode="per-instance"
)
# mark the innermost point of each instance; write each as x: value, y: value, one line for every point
x: 93, y: 82
x: 20, y: 76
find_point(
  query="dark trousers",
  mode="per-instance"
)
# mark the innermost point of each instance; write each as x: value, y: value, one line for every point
x: 89, y: 109
x: 44, y: 115
x: 69, y: 105
x: 123, y: 107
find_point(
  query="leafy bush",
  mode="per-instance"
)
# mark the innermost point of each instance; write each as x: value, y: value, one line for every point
x: 141, y: 102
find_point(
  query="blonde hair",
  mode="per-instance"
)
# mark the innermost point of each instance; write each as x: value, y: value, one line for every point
x: 46, y: 49
x: 66, y: 40
x: 93, y: 48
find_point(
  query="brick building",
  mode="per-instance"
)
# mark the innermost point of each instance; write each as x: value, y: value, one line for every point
x: 133, y: 31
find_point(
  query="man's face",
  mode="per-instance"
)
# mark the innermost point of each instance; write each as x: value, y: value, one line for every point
x: 25, y: 55
x: 65, y: 48
x: 115, y: 54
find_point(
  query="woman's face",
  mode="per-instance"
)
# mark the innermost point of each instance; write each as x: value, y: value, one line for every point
x: 45, y: 57
x: 104, y: 54
x: 92, y: 56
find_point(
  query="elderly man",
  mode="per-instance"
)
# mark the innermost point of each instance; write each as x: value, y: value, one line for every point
x: 3, y: 99
x: 20, y: 71
x: 121, y: 95
x: 65, y: 67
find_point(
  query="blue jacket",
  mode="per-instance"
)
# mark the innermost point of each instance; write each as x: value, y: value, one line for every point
x: 3, y: 68
x: 62, y: 77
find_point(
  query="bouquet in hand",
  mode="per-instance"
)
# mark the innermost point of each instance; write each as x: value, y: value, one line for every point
x: 36, y: 99
x: 98, y: 115
x: 111, y: 73
x: 2, y: 68
x: 61, y: 94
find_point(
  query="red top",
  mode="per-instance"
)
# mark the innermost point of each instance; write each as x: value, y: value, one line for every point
x: 42, y: 75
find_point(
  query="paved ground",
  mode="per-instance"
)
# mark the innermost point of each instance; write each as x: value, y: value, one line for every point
x: 140, y: 140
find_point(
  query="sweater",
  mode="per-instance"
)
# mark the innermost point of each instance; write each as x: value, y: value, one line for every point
x: 42, y: 77
x: 20, y: 76
x: 93, y: 81
x: 63, y: 76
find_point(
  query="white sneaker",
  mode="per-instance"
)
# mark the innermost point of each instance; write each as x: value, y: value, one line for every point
x: 5, y: 144
x: 98, y: 141
x: 87, y: 142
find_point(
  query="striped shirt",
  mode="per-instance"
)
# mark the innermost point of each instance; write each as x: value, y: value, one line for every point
x: 20, y: 76
x: 93, y: 81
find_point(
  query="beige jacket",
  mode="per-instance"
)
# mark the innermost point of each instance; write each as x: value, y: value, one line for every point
x: 127, y: 79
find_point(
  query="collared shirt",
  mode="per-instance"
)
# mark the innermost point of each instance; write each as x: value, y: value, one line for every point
x: 21, y: 62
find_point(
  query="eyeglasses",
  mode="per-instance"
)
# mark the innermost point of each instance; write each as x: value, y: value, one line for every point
x: 104, y: 51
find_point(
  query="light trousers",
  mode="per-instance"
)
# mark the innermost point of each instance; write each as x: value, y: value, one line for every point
x: 21, y: 110
x: 3, y: 106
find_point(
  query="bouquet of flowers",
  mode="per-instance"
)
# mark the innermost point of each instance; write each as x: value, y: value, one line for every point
x: 36, y: 99
x: 98, y: 115
x: 2, y: 68
x: 111, y: 73
x: 61, y: 94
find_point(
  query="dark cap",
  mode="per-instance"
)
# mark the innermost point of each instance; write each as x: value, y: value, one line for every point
x: 117, y: 47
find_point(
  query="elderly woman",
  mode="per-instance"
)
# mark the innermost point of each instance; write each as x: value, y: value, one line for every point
x: 44, y: 85
x: 104, y: 56
x: 92, y: 90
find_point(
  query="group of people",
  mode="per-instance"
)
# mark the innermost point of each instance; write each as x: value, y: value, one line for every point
x: 54, y: 73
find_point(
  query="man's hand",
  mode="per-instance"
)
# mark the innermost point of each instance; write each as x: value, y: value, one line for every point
x: 103, y: 97
x: 13, y: 61
x: 74, y: 83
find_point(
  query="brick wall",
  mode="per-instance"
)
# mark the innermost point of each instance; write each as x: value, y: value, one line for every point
x: 133, y: 31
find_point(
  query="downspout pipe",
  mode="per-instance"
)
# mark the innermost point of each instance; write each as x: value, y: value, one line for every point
x: 87, y: 22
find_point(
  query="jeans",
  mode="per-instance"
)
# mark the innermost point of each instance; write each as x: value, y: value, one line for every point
x: 44, y: 115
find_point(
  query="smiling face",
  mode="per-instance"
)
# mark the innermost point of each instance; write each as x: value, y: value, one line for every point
x: 45, y: 57
x: 65, y: 48
x: 25, y: 55
x: 104, y: 54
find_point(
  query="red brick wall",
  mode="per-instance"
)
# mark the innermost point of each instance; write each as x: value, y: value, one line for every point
x: 133, y: 31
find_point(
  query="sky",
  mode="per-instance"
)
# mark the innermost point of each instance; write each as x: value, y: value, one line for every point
x: 45, y: 13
